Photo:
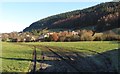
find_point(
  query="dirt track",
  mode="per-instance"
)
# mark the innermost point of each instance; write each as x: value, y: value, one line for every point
x: 61, y: 60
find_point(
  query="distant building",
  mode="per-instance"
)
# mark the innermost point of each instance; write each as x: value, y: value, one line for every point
x: 48, y: 34
x: 74, y: 33
x: 40, y: 38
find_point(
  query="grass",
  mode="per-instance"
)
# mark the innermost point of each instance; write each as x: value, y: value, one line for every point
x: 108, y: 48
x: 15, y: 58
x: 98, y: 46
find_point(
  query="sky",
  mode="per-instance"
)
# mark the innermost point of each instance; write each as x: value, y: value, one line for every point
x: 17, y: 15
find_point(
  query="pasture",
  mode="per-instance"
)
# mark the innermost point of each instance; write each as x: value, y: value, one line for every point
x: 98, y: 46
x: 16, y: 57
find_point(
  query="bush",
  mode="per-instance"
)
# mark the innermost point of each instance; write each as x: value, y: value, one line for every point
x: 55, y: 37
x: 3, y: 39
x: 98, y: 38
x: 68, y: 39
x: 86, y: 37
x: 109, y: 37
x: 48, y: 39
x: 75, y: 38
x: 62, y: 38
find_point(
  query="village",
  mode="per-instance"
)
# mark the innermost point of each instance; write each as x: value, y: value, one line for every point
x: 61, y: 36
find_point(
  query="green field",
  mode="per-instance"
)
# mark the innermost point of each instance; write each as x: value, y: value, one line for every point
x: 98, y: 46
x: 16, y: 56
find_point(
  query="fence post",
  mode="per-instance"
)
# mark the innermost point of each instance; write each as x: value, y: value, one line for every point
x: 34, y: 60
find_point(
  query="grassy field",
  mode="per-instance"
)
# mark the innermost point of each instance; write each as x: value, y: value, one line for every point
x: 104, y: 48
x: 16, y: 58
x: 98, y: 46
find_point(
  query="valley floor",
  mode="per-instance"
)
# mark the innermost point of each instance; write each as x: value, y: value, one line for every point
x: 89, y: 56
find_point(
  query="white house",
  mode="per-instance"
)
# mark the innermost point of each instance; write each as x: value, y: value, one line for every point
x: 74, y: 33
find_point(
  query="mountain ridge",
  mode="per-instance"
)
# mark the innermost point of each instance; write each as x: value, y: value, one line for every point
x: 101, y: 17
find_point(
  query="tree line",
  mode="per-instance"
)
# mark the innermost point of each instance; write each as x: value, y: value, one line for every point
x: 82, y: 35
x: 61, y: 36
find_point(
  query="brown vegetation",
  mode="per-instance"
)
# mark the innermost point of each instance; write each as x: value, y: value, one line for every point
x: 68, y: 36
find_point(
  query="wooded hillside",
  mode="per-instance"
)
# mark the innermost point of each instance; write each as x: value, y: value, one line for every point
x: 102, y: 17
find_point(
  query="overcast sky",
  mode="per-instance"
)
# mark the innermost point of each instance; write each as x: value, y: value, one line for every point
x: 19, y: 14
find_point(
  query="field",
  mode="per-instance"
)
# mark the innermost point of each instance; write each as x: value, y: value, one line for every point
x: 16, y: 57
x: 98, y: 46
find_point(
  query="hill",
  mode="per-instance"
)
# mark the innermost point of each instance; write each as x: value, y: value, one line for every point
x: 102, y: 17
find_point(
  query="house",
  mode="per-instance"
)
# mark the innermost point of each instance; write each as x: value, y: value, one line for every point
x: 40, y: 38
x: 33, y: 38
x: 48, y: 34
x: 74, y: 33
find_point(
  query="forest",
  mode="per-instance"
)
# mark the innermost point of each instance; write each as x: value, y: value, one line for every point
x: 102, y: 17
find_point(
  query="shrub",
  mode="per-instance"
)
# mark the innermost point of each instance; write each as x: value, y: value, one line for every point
x: 55, y: 37
x: 98, y: 38
x: 75, y: 38
x: 86, y: 37
x: 61, y: 38
x: 68, y: 39
x: 109, y: 37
